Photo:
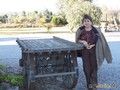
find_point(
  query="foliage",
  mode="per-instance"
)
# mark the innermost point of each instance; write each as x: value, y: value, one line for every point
x: 88, y: 0
x: 2, y: 66
x: 42, y: 21
x: 59, y: 20
x: 3, y: 18
x: 104, y: 10
x: 14, y: 80
x: 30, y: 19
x: 56, y: 20
x: 111, y: 16
x: 48, y: 27
x: 63, y: 20
x: 47, y: 15
x: 75, y: 9
x: 117, y: 21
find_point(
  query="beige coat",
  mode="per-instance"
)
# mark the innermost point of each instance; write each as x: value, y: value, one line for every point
x: 102, y: 48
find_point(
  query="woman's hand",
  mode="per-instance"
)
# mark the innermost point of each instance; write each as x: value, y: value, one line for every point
x: 90, y: 46
x: 83, y: 42
x: 86, y: 44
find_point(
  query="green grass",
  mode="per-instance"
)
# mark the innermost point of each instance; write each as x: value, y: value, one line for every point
x: 16, y: 80
x: 2, y: 66
x: 13, y: 80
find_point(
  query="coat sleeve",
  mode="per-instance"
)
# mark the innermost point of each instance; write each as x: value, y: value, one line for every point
x: 107, y: 52
x: 77, y: 35
x: 79, y: 52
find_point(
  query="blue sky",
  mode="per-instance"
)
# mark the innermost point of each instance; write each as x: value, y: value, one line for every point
x: 39, y: 5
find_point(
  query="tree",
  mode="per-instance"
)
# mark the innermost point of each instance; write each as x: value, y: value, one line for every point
x: 88, y: 0
x: 47, y: 15
x: 31, y: 17
x: 12, y: 16
x: 75, y: 9
x: 22, y: 17
x: 105, y: 12
x: 4, y: 18
x: 56, y: 20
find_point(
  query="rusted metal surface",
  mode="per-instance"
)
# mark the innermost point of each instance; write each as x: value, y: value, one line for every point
x: 49, y: 57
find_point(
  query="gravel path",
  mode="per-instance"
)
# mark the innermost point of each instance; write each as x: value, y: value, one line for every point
x: 108, y: 74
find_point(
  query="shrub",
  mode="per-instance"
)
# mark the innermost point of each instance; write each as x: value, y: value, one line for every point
x: 14, y: 80
x: 1, y: 66
x: 64, y: 21
x: 56, y: 20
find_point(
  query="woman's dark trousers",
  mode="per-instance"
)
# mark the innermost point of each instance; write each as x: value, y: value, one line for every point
x: 90, y: 66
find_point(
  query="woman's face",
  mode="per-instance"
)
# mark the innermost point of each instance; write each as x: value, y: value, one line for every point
x: 87, y: 23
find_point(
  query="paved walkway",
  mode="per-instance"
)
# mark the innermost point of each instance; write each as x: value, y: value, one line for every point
x: 108, y: 74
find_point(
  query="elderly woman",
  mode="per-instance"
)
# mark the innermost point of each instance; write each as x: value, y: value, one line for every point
x: 95, y: 50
